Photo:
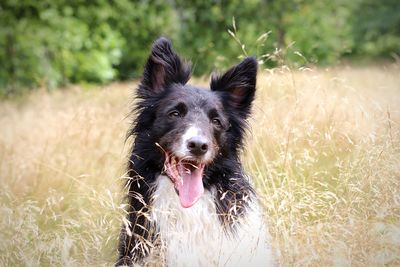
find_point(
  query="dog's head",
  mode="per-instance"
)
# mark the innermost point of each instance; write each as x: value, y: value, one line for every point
x: 191, y: 126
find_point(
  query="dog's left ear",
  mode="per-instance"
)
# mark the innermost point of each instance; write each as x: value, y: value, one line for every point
x: 239, y: 85
x: 163, y: 68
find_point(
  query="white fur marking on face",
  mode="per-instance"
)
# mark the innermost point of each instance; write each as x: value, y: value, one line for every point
x: 191, y: 132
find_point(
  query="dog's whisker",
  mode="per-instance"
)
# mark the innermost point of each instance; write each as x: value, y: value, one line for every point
x: 159, y: 146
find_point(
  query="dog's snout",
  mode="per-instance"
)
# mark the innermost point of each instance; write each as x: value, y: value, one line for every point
x: 197, y: 146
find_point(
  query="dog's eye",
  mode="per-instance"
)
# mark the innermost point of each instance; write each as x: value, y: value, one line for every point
x: 174, y: 114
x: 216, y: 122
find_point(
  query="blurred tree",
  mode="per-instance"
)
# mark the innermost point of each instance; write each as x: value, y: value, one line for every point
x: 376, y: 28
x: 319, y: 31
x: 202, y: 34
x: 140, y: 23
x: 51, y: 43
x: 279, y: 13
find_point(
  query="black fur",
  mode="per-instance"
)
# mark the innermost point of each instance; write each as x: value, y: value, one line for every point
x: 164, y: 83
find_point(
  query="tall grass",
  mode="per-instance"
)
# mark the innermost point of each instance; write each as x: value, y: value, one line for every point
x: 324, y: 153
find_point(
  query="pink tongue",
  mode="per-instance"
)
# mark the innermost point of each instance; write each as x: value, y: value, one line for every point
x: 191, y: 188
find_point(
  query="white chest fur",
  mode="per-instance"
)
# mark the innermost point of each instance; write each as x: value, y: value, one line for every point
x: 195, y: 237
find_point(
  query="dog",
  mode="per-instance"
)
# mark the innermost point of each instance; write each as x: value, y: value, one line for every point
x: 190, y: 202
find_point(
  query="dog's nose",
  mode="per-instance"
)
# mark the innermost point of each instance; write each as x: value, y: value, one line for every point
x: 197, y: 146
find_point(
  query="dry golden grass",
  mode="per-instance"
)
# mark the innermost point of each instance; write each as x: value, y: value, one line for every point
x: 324, y: 152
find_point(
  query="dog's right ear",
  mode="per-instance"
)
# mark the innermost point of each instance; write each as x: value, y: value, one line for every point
x: 163, y: 68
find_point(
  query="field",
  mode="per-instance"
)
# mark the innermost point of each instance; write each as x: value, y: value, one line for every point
x: 324, y: 153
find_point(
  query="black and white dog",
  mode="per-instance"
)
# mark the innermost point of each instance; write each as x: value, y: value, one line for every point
x: 190, y: 203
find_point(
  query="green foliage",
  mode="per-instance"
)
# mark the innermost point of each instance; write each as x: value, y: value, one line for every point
x: 140, y: 23
x: 52, y: 43
x: 377, y: 28
x: 324, y: 33
x: 203, y: 34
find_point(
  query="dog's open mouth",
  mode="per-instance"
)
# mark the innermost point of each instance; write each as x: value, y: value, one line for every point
x: 187, y: 176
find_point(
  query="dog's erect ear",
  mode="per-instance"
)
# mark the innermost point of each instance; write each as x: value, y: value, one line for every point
x: 239, y: 84
x: 163, y: 68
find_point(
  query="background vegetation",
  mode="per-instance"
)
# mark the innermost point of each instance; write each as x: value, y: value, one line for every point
x: 52, y: 43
